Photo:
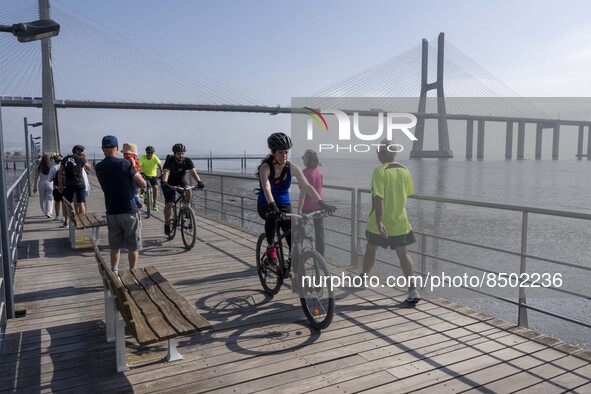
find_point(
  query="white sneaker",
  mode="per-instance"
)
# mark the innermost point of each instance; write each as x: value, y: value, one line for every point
x: 48, y: 215
x: 413, y: 297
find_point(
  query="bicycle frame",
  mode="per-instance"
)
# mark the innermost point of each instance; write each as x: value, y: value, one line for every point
x: 297, y: 245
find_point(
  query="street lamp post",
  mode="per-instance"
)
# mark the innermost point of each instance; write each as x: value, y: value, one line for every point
x: 24, y: 32
x: 29, y: 150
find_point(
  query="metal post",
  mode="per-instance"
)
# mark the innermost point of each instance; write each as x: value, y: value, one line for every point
x: 242, y: 211
x: 522, y: 311
x: 6, y: 255
x: 28, y: 157
x: 588, y: 142
x: 357, y: 229
x: 222, y: 197
x: 353, y: 228
x: 423, y: 257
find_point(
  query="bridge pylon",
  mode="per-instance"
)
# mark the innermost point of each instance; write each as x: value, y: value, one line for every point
x: 50, y: 134
x: 444, y: 150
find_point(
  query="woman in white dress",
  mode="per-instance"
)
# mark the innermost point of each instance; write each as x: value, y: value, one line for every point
x: 44, y: 184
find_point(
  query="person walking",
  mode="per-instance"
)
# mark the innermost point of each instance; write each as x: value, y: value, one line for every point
x: 44, y: 183
x: 71, y: 179
x: 57, y: 196
x: 116, y: 177
x: 306, y: 204
x: 388, y: 225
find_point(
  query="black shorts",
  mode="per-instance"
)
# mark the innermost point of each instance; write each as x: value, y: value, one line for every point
x: 393, y: 242
x: 57, y: 196
x: 151, y: 180
x: 169, y: 194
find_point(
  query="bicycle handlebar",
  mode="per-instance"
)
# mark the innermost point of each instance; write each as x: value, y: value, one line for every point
x: 182, y: 189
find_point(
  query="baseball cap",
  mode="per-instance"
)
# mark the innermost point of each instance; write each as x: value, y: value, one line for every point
x: 110, y: 141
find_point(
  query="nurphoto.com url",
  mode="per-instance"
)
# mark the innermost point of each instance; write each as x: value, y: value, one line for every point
x: 436, y: 281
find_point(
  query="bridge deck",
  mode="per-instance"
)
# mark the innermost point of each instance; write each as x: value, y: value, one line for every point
x: 258, y: 344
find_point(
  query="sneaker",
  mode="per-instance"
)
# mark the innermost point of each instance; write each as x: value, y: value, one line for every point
x: 57, y: 219
x: 142, y: 194
x: 154, y: 207
x: 48, y: 215
x: 413, y: 297
x: 64, y: 224
x: 272, y: 256
x: 167, y: 229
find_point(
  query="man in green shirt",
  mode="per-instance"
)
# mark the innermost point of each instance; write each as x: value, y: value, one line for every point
x: 149, y: 165
x: 388, y: 226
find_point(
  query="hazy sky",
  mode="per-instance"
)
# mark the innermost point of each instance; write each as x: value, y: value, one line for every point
x: 271, y: 51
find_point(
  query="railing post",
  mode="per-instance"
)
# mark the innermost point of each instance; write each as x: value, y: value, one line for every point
x: 522, y: 312
x: 353, y: 228
x: 423, y: 257
x: 222, y: 197
x: 242, y: 211
x: 356, y: 224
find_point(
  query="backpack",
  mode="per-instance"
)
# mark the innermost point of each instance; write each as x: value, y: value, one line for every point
x: 70, y: 167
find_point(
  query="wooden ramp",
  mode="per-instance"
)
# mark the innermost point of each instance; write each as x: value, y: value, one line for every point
x: 375, y: 343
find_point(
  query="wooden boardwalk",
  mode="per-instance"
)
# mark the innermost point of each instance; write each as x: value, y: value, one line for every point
x: 259, y: 344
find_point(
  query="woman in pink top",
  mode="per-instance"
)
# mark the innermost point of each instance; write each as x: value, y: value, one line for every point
x: 306, y: 204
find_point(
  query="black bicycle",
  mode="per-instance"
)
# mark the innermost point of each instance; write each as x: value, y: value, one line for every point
x: 309, y: 270
x: 183, y: 217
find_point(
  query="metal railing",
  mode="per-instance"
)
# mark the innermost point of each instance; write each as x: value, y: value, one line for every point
x: 229, y: 198
x: 17, y: 199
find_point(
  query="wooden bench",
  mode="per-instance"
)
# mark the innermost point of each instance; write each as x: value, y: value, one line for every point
x: 82, y: 221
x: 149, y: 306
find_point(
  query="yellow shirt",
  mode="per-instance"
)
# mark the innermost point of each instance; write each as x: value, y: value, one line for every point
x: 149, y: 167
x: 393, y: 183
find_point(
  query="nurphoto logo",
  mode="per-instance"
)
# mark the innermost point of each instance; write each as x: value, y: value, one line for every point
x: 393, y: 122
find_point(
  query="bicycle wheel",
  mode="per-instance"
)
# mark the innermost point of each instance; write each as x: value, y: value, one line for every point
x: 317, y: 301
x: 188, y: 227
x: 269, y: 277
x: 147, y: 201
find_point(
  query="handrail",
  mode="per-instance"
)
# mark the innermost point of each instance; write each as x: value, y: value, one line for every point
x: 17, y: 199
x: 248, y: 216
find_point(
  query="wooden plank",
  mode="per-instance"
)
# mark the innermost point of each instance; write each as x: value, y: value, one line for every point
x: 83, y: 221
x: 169, y: 311
x: 198, y: 321
x: 146, y: 308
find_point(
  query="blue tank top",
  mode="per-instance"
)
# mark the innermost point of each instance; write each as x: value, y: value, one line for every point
x: 279, y: 186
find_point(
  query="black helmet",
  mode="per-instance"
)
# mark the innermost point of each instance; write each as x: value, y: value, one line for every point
x: 77, y: 148
x: 279, y: 141
x: 150, y: 149
x: 178, y: 148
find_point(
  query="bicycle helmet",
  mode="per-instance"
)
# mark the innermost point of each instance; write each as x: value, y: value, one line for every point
x: 279, y: 141
x: 150, y: 149
x: 178, y: 148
